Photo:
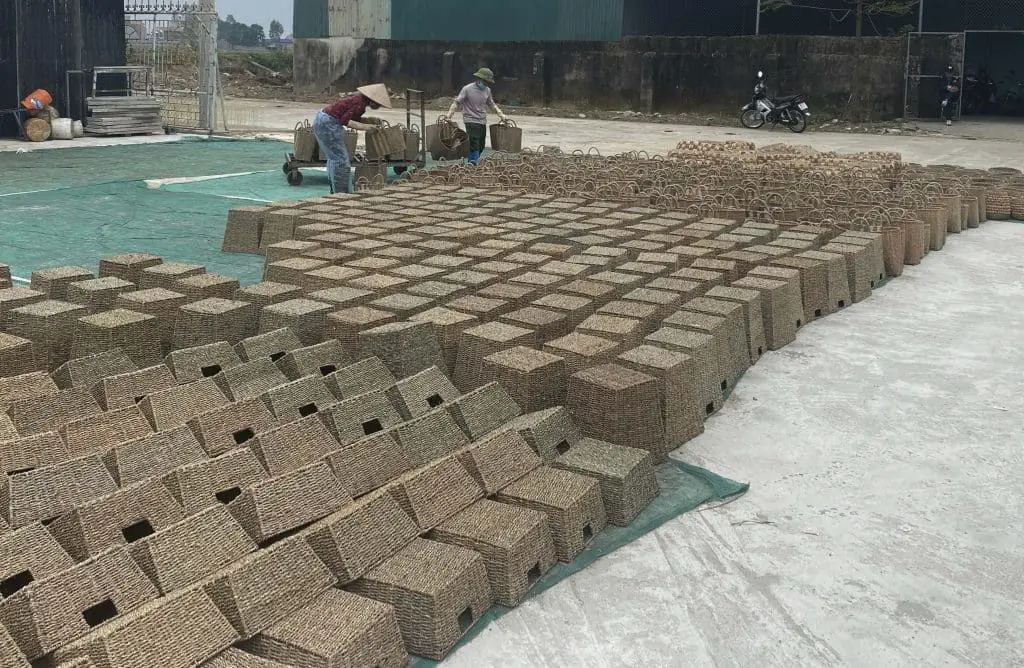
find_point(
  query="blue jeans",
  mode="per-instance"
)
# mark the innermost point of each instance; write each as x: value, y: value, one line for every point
x: 330, y: 133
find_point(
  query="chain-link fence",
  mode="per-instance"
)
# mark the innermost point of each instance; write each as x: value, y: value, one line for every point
x: 928, y: 55
x: 993, y: 14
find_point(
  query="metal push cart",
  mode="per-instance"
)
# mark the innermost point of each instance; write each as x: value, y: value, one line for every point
x: 292, y: 166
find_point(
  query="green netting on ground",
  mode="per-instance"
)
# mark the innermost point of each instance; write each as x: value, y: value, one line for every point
x: 266, y: 186
x: 80, y: 225
x: 76, y: 205
x: 188, y: 156
x: 683, y: 488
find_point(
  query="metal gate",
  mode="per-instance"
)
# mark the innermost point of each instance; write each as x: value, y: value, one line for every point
x: 928, y: 54
x: 178, y: 39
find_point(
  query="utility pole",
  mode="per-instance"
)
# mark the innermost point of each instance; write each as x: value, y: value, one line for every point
x: 920, y: 16
x: 757, y: 19
x: 17, y: 49
x: 208, y: 75
x: 77, y: 55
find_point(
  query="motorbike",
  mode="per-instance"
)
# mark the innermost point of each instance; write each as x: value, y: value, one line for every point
x: 979, y: 94
x: 789, y: 110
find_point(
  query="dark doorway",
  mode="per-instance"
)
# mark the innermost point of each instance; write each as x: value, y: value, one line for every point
x: 993, y: 78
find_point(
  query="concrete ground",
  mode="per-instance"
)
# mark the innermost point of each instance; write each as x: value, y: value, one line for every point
x: 982, y: 144
x: 8, y: 144
x: 882, y: 526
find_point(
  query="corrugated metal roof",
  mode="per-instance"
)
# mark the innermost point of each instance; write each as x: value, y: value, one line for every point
x: 704, y: 17
x: 310, y: 19
x: 589, y: 20
x: 360, y: 18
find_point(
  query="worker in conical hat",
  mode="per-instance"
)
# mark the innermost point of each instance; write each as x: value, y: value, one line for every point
x: 474, y: 99
x: 329, y: 128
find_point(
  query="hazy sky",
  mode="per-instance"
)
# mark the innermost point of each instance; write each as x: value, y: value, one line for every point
x: 258, y: 11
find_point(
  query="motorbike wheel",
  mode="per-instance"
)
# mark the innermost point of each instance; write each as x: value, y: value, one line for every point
x: 752, y: 118
x: 798, y: 123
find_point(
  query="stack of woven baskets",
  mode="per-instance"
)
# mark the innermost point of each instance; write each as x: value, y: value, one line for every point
x: 913, y: 206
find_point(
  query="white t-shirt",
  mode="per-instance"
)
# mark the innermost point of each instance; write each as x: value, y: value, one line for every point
x: 474, y: 103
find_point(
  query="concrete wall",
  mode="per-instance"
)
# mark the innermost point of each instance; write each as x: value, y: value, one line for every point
x: 848, y: 77
x: 324, y: 64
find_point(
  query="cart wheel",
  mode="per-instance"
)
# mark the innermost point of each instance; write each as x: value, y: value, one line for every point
x: 286, y: 167
x: 295, y: 178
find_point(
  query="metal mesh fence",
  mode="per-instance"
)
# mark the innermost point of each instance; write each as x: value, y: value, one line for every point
x: 993, y: 14
x: 928, y: 54
x: 178, y: 40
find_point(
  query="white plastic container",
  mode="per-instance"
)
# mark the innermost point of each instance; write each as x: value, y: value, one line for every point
x: 63, y: 128
x: 77, y: 129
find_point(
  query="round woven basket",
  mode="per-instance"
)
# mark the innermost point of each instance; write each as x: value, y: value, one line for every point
x: 955, y: 221
x: 1017, y: 203
x: 999, y: 204
x: 937, y: 218
x: 894, y: 249
x: 979, y: 192
x: 917, y: 237
x: 971, y: 213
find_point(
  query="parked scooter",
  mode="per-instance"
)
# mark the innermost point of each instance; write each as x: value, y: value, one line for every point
x: 790, y: 110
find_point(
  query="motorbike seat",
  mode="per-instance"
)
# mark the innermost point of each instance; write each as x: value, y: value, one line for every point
x: 786, y: 98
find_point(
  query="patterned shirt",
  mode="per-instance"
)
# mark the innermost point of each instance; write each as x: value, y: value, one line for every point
x: 347, y: 109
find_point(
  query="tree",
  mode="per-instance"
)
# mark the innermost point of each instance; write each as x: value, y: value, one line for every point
x: 257, y: 35
x: 239, y: 34
x: 860, y: 8
x: 276, y: 31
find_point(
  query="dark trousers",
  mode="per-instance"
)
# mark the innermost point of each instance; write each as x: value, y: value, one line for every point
x: 477, y: 136
x: 952, y: 102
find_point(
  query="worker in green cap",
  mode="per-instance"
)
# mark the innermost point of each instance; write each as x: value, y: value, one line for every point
x: 474, y: 99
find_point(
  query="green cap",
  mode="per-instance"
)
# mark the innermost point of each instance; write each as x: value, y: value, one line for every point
x: 484, y: 73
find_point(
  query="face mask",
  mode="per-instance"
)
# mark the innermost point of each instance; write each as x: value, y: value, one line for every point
x: 481, y: 85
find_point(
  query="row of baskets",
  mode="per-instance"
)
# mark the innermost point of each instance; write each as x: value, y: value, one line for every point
x: 387, y: 142
x: 913, y: 206
x: 445, y: 140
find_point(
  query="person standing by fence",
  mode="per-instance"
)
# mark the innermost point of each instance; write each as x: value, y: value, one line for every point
x: 950, y: 94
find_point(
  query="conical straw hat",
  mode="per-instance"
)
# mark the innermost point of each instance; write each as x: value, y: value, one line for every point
x: 378, y: 93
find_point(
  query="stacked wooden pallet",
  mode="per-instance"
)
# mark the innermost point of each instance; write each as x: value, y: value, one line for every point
x: 136, y: 115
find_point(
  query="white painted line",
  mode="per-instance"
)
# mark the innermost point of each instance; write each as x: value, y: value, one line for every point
x: 29, y: 192
x: 156, y: 184
x: 246, y: 199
